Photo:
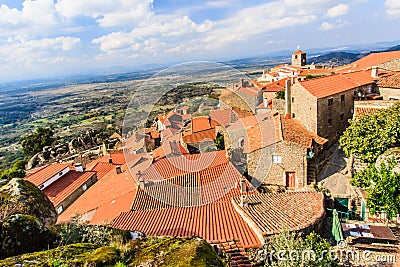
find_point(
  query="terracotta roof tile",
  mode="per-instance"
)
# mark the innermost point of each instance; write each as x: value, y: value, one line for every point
x: 251, y: 91
x: 212, y: 222
x: 293, y: 131
x: 298, y: 52
x: 274, y: 213
x: 369, y: 107
x: 45, y: 173
x: 170, y: 147
x: 105, y: 191
x: 115, y: 136
x: 374, y: 59
x: 59, y: 190
x: 392, y: 81
x: 102, y: 168
x: 199, y: 136
x: 178, y: 165
x: 222, y: 117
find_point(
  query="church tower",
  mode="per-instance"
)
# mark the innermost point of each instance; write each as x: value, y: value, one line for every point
x: 299, y: 58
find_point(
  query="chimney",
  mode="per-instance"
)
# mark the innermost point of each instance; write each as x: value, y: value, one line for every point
x: 241, y: 82
x: 78, y: 167
x: 374, y: 72
x: 110, y: 160
x: 243, y: 187
x: 142, y: 184
x: 118, y: 169
x: 288, y: 99
x: 138, y: 173
x: 265, y: 102
x: 244, y: 201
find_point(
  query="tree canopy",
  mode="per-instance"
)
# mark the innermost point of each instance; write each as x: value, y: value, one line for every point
x: 35, y: 141
x: 372, y: 135
x: 383, y: 187
x: 17, y: 171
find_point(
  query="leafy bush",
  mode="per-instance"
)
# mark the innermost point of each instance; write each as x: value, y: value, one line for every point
x: 280, y: 94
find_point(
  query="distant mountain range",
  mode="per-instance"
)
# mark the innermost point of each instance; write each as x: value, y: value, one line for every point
x: 338, y: 58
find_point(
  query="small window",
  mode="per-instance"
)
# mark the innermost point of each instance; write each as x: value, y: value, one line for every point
x: 84, y: 187
x: 329, y: 122
x: 342, y: 117
x: 292, y: 99
x: 60, y: 209
x: 330, y: 102
x: 355, y: 93
x: 41, y: 186
x: 60, y: 173
x: 342, y: 98
x: 241, y: 142
x: 276, y: 159
x: 293, y: 115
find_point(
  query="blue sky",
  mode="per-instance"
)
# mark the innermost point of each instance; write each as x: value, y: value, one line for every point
x: 44, y: 38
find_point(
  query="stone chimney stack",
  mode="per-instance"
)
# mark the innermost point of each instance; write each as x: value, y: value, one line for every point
x: 118, y: 169
x: 243, y: 187
x: 142, y: 184
x: 374, y: 72
x: 244, y: 201
x: 78, y: 167
x: 288, y: 99
x: 241, y: 82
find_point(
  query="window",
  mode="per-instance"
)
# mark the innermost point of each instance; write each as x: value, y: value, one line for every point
x: 241, y: 142
x: 60, y: 209
x: 41, y: 186
x: 342, y: 117
x: 276, y: 159
x: 330, y: 102
x: 84, y: 187
x: 342, y: 98
x: 329, y: 122
x: 292, y: 99
x: 60, y: 173
x: 293, y: 115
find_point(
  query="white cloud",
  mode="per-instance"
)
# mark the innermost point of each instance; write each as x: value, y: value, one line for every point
x: 326, y: 26
x: 107, y: 12
x: 392, y: 7
x: 338, y: 10
x: 35, y: 17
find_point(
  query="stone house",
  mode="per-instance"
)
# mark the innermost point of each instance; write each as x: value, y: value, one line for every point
x: 62, y: 183
x: 324, y: 105
x: 389, y: 87
x: 276, y: 150
x: 383, y: 60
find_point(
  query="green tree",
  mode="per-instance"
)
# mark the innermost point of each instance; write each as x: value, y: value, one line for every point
x: 17, y: 171
x: 280, y: 94
x: 35, y: 141
x: 383, y: 188
x: 220, y: 142
x: 293, y: 250
x: 370, y: 136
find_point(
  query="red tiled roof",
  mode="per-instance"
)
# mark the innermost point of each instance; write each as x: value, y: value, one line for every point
x: 374, y: 59
x: 178, y: 165
x: 222, y: 117
x: 251, y: 91
x: 334, y: 84
x: 46, y: 173
x: 392, y: 81
x: 241, y: 113
x: 170, y: 147
x: 101, y: 168
x: 274, y: 213
x: 369, y: 107
x: 259, y: 135
x: 112, y: 187
x: 115, y: 136
x: 197, y: 137
x: 293, y: 131
x: 202, y: 123
x: 212, y: 222
x: 248, y: 121
x: 59, y: 190
x: 305, y: 72
x: 298, y: 52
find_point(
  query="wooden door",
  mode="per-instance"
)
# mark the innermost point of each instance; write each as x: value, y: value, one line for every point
x: 291, y: 179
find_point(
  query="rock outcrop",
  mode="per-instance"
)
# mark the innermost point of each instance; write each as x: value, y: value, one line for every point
x: 19, y: 196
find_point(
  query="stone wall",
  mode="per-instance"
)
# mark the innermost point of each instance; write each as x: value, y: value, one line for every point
x: 333, y: 120
x: 304, y: 107
x: 389, y: 93
x: 293, y: 160
x: 77, y: 193
x: 393, y: 65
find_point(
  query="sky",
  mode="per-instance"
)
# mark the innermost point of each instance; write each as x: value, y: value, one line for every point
x: 45, y: 38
